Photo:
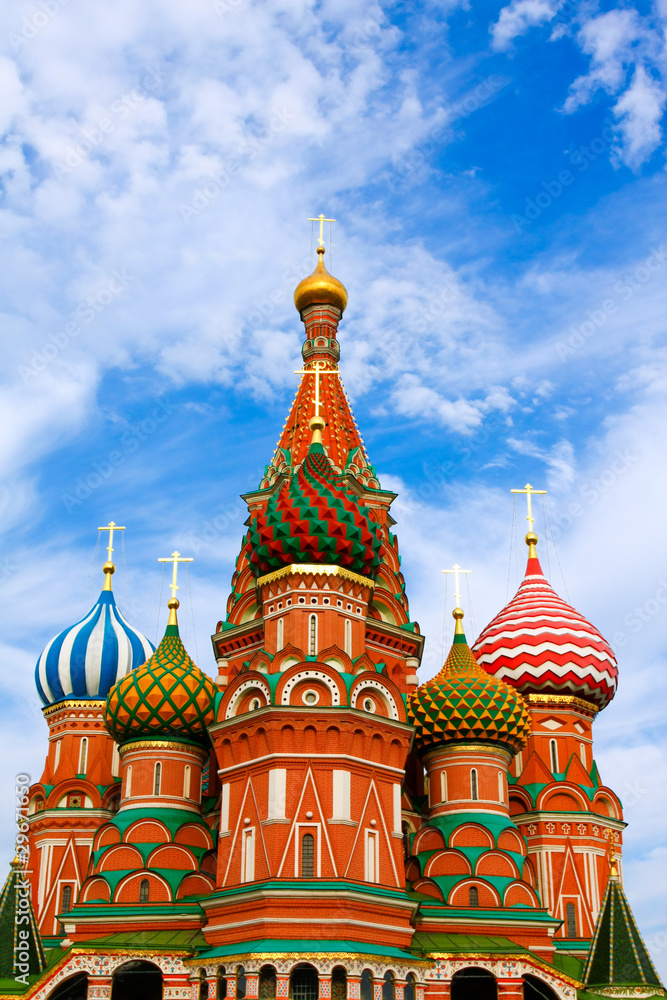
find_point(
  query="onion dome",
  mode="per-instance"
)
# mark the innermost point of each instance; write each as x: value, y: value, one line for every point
x: 314, y: 519
x: 463, y: 702
x: 541, y: 645
x: 320, y: 288
x: 168, y: 697
x: 88, y: 658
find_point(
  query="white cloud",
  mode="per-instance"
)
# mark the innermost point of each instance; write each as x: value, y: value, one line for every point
x: 518, y: 17
x: 639, y: 111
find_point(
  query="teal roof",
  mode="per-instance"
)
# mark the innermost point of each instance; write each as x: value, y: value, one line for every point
x: 305, y: 946
x: 464, y: 943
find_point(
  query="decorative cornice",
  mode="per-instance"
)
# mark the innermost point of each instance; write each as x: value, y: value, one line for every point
x: 322, y: 569
x: 562, y: 699
x: 496, y: 749
x: 162, y: 745
x: 68, y: 703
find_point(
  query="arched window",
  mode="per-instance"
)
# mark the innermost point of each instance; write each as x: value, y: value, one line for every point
x: 443, y: 786
x: 582, y: 753
x: 267, y: 982
x: 128, y: 781
x: 307, y: 856
x: 474, y: 984
x: 240, y: 982
x: 554, y: 756
x: 339, y: 983
x: 280, y: 634
x: 473, y: 784
x: 473, y: 895
x: 409, y: 988
x: 312, y: 636
x: 83, y: 756
x: 186, y: 782
x: 348, y: 637
x: 66, y: 905
x: 144, y: 890
x: 304, y: 983
x: 366, y: 985
x: 570, y: 921
x: 203, y: 985
x: 221, y: 983
x: 501, y: 787
x: 157, y: 781
x: 388, y: 987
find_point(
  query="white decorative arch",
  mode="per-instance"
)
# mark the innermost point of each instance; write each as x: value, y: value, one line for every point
x: 379, y: 686
x: 303, y: 675
x: 252, y: 682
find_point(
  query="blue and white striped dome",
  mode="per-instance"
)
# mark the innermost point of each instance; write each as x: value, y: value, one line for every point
x: 86, y: 660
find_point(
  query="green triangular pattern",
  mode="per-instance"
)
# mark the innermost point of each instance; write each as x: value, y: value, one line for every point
x: 17, y: 915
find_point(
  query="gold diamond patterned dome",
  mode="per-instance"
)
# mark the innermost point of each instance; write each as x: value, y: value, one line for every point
x: 463, y: 702
x: 168, y: 697
x: 320, y: 288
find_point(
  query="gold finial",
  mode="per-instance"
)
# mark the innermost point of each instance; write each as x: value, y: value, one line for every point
x: 531, y: 537
x: 173, y: 602
x: 109, y: 569
x: 317, y: 425
x: 321, y: 220
x: 457, y: 613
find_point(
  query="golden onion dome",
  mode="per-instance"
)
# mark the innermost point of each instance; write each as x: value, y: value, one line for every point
x: 320, y: 288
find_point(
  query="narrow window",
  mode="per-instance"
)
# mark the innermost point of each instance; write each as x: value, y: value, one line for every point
x: 221, y: 984
x: 67, y: 899
x: 348, y: 637
x: 312, y: 636
x: 398, y: 810
x: 473, y: 895
x: 157, y: 782
x: 186, y: 782
x: 388, y: 987
x: 582, y: 753
x: 277, y: 793
x: 128, y: 782
x: 518, y: 765
x: 144, y: 890
x: 307, y: 856
x: 280, y: 635
x: 366, y: 985
x: 409, y: 989
x: 83, y: 755
x: 57, y: 756
x: 341, y: 794
x: 473, y: 784
x: 570, y: 920
x: 443, y: 786
x: 501, y: 787
x: 372, y: 859
x: 115, y: 761
x: 554, y: 756
x: 224, y: 809
x: 248, y: 856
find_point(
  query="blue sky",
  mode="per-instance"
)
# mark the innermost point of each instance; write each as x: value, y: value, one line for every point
x: 498, y: 177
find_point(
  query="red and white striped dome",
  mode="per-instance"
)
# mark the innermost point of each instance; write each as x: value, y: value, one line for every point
x: 541, y: 645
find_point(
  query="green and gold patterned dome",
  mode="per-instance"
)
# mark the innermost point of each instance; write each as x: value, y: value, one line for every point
x: 168, y: 697
x: 463, y: 702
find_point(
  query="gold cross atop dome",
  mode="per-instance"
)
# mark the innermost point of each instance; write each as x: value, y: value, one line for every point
x: 173, y: 602
x: 109, y: 569
x: 457, y: 613
x: 531, y: 537
x: 318, y: 368
x: 321, y: 220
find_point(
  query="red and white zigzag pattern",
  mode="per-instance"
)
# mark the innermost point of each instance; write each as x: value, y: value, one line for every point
x: 540, y: 644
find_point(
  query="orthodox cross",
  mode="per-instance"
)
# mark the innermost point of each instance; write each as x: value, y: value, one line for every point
x: 321, y: 220
x: 319, y: 368
x: 530, y: 492
x: 111, y: 527
x: 175, y: 558
x: 457, y: 571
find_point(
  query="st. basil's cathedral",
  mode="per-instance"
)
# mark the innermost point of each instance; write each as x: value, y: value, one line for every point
x: 314, y: 823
